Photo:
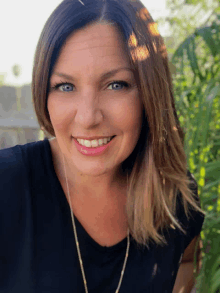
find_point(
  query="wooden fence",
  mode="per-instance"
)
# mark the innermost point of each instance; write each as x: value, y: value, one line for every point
x: 18, y: 123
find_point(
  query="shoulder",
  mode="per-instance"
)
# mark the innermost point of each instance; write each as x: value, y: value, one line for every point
x: 18, y: 166
x: 15, y: 164
x: 11, y: 164
x: 14, y: 158
x: 12, y: 182
x: 8, y: 157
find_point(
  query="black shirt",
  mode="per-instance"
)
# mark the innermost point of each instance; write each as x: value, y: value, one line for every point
x: 37, y: 245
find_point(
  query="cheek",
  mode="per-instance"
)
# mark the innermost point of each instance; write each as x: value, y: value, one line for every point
x: 58, y: 111
x: 129, y: 115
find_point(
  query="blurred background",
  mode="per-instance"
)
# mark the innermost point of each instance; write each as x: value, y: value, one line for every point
x: 191, y: 30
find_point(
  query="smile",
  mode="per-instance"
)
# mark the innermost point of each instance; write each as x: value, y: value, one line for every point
x: 93, y: 151
x: 94, y: 143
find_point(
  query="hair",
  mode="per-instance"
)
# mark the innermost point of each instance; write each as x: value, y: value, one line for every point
x: 157, y: 167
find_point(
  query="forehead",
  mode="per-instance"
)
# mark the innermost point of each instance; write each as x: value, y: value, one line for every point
x: 96, y: 46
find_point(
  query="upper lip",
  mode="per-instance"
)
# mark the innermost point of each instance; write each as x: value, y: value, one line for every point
x: 92, y: 137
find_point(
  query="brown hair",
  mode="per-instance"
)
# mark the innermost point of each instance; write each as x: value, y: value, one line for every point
x: 157, y: 167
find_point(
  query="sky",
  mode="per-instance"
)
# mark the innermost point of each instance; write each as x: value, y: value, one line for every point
x: 21, y: 23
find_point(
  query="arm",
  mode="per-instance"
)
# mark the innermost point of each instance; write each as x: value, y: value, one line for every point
x: 185, y: 277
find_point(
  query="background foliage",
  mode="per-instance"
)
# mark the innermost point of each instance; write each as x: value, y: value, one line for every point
x: 196, y: 59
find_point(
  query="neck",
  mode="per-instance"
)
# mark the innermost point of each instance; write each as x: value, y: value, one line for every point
x: 106, y: 186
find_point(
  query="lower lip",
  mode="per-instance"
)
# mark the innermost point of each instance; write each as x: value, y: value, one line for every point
x: 91, y: 151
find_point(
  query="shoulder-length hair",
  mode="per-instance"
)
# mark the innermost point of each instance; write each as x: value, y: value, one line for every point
x: 157, y: 167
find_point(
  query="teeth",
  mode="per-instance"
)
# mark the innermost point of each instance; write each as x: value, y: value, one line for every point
x: 94, y: 143
x: 87, y: 143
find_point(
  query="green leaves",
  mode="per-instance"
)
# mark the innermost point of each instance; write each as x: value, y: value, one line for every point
x: 197, y: 92
x: 208, y: 34
x: 209, y: 278
x: 201, y: 51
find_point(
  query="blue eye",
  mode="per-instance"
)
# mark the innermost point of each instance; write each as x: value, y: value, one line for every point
x: 66, y: 87
x: 118, y: 85
x: 63, y: 87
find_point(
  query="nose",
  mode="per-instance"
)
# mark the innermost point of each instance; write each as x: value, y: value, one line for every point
x: 89, y: 113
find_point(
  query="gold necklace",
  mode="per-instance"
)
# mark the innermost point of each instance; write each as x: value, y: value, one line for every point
x: 77, y: 242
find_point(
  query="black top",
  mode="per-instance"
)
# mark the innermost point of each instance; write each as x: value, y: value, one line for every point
x: 37, y: 246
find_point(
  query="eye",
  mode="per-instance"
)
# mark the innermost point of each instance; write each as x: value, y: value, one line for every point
x: 66, y: 87
x: 118, y: 85
x: 63, y: 87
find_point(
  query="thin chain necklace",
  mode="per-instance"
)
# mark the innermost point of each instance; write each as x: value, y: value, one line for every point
x: 77, y: 242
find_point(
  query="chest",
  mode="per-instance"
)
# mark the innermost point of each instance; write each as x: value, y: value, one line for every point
x: 105, y: 222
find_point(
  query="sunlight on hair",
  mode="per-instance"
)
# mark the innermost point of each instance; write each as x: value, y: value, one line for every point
x: 132, y: 42
x: 140, y: 53
x: 137, y: 52
x: 144, y: 14
x: 153, y: 29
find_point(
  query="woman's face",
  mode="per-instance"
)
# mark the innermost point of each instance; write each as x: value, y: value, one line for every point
x: 92, y: 95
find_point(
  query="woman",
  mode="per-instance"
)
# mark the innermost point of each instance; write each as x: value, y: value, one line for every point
x: 107, y: 204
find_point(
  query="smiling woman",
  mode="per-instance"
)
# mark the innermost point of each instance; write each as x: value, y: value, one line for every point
x: 115, y: 165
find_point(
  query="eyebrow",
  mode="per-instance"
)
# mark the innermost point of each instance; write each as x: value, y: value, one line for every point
x: 103, y: 76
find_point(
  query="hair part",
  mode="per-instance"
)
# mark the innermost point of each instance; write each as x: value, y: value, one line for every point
x: 157, y: 167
